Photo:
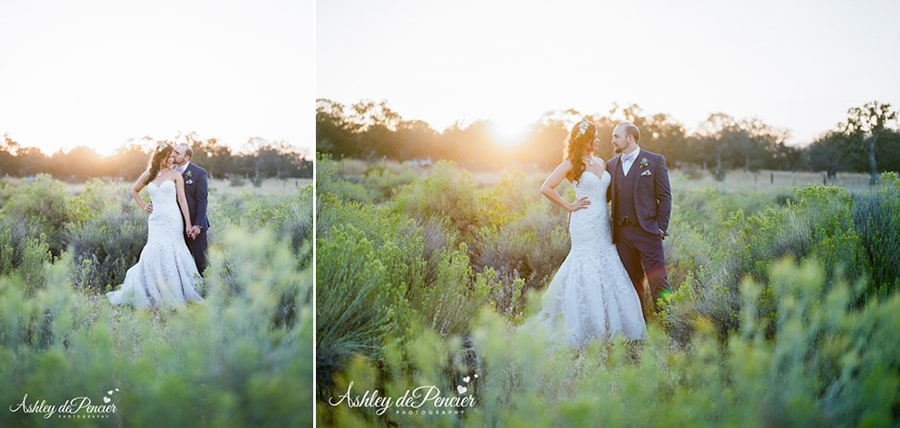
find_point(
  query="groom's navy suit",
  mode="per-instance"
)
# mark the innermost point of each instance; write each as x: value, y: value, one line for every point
x: 196, y: 186
x: 641, y: 204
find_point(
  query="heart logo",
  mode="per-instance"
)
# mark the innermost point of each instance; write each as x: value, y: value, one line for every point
x: 109, y: 392
x: 461, y: 389
x: 466, y: 379
x: 106, y: 400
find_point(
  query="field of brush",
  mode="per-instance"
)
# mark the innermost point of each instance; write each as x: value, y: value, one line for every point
x: 241, y: 358
x: 785, y: 311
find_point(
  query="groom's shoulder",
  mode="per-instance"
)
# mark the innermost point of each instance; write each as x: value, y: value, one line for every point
x: 198, y: 168
x: 652, y: 154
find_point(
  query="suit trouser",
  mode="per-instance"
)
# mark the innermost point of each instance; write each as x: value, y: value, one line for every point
x: 642, y: 252
x: 198, y: 246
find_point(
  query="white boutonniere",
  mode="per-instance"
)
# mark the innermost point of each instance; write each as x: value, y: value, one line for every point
x: 188, y: 174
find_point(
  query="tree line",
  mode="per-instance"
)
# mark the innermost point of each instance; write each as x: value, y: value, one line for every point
x: 264, y: 159
x: 868, y: 141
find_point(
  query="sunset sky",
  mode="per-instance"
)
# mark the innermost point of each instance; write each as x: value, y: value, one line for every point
x: 96, y: 73
x: 794, y: 64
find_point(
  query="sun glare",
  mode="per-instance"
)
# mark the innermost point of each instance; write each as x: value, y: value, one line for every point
x: 508, y: 134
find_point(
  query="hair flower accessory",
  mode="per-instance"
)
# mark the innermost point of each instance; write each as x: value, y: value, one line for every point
x: 162, y: 146
x: 644, y: 162
x: 582, y: 127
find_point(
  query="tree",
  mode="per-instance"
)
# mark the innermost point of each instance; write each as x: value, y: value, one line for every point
x: 8, y: 156
x: 866, y: 125
x: 335, y: 134
x: 829, y: 153
x: 714, y: 135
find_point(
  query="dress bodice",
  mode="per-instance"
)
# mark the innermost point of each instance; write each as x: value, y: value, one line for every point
x: 163, y: 194
x: 166, y: 221
x: 591, y: 223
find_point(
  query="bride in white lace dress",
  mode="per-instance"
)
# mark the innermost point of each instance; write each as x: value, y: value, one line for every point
x: 591, y: 296
x: 165, y: 274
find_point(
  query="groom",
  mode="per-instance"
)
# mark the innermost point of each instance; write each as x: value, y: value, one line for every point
x: 196, y: 184
x: 641, y: 203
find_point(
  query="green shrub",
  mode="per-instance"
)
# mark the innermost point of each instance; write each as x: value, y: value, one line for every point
x: 39, y: 208
x: 105, y: 247
x: 820, y: 224
x: 530, y: 248
x: 385, y: 179
x: 449, y: 194
x: 355, y: 305
x: 330, y: 181
x: 876, y: 218
x: 226, y: 357
x: 828, y: 365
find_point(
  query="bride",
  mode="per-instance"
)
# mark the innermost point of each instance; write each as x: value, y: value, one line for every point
x: 591, y: 296
x: 165, y: 274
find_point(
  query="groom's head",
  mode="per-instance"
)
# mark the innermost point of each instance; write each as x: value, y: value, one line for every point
x: 626, y: 137
x: 183, y: 153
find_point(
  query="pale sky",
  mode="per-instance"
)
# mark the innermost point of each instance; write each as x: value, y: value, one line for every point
x: 96, y: 73
x: 798, y: 65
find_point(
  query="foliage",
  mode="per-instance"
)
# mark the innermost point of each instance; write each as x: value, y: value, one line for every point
x: 225, y: 357
x: 355, y: 303
x: 40, y: 208
x: 829, y: 364
x: 763, y: 342
x: 241, y: 358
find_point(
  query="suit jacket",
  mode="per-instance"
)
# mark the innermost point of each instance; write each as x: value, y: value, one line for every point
x: 652, y: 194
x: 196, y: 186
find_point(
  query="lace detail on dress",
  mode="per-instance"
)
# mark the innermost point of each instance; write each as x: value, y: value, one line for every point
x: 165, y: 274
x: 591, y: 296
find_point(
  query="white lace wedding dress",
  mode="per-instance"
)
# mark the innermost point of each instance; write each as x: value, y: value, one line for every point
x: 591, y: 296
x: 165, y: 274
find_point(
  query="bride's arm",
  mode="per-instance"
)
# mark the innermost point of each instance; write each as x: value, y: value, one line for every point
x: 136, y: 191
x: 182, y: 202
x: 548, y: 189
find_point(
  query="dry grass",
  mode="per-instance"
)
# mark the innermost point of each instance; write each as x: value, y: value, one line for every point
x: 270, y: 186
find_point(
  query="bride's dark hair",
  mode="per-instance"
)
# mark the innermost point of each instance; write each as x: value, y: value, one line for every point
x: 162, y: 151
x: 580, y: 143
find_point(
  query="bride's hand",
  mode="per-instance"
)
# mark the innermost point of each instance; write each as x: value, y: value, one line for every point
x: 582, y: 202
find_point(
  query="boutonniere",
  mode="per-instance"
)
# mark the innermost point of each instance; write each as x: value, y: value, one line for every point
x: 188, y: 174
x: 644, y: 162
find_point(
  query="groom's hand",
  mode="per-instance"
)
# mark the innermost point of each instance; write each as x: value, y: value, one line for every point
x: 662, y: 234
